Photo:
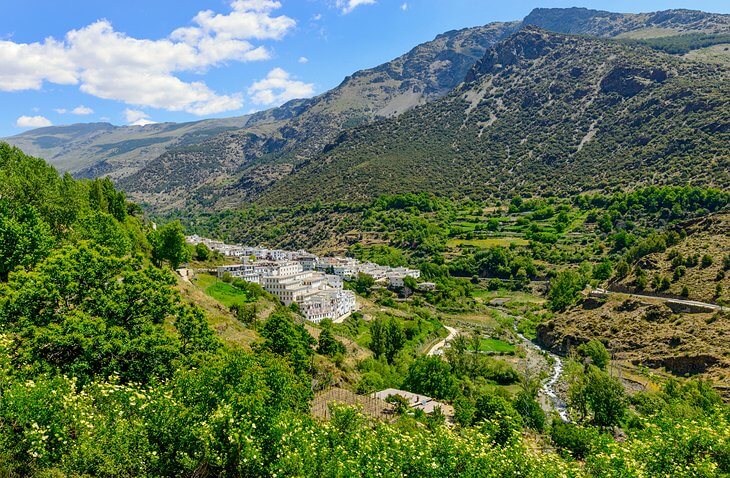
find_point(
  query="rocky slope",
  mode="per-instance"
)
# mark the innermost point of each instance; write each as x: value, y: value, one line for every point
x: 541, y: 112
x: 102, y: 149
x: 639, y: 25
x: 232, y: 167
x: 646, y: 332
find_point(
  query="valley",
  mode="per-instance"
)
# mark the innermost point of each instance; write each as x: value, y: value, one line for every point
x: 505, y: 252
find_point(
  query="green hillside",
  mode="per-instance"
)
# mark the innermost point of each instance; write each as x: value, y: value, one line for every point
x: 542, y: 112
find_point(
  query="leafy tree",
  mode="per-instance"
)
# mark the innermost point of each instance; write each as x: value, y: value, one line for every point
x: 430, y: 375
x: 25, y: 238
x: 603, y: 271
x: 507, y: 422
x: 287, y: 339
x: 168, y: 244
x: 87, y: 313
x: 605, y: 397
x: 194, y: 331
x: 596, y: 351
x: 706, y: 261
x: 386, y: 338
x: 245, y: 313
x: 363, y: 284
x: 202, y: 253
x: 564, y: 290
x: 378, y: 338
x: 105, y: 230
x: 327, y: 343
x: 530, y: 410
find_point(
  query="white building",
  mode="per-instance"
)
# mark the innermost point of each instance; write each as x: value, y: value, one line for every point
x: 315, y: 283
x: 328, y: 304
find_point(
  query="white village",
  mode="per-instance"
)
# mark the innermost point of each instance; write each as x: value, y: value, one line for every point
x: 314, y: 283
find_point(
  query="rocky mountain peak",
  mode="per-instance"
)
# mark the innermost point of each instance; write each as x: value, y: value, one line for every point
x: 528, y: 43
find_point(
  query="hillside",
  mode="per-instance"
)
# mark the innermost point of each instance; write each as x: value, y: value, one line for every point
x: 222, y: 163
x: 541, y: 112
x: 697, y: 267
x: 232, y: 166
x: 238, y: 167
x: 646, y: 333
x: 102, y: 149
x: 628, y: 25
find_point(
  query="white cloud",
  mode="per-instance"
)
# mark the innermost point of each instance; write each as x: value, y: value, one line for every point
x: 82, y: 110
x: 142, y: 72
x: 303, y: 60
x: 278, y: 87
x: 404, y: 7
x: 137, y: 117
x: 317, y: 17
x: 346, y: 6
x: 32, y: 122
x: 61, y: 111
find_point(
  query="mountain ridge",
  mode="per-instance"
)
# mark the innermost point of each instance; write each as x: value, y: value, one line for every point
x: 541, y: 112
x: 239, y: 165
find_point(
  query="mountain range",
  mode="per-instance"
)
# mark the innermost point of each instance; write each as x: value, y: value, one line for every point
x: 566, y: 99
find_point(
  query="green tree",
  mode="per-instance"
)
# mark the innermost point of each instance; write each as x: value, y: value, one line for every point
x: 603, y: 271
x: 564, y: 290
x: 202, y: 253
x: 86, y: 313
x: 327, y: 344
x: 287, y: 339
x: 596, y: 351
x: 430, y: 375
x: 605, y: 397
x: 168, y: 244
x: 105, y: 230
x: 363, y: 284
x: 25, y: 238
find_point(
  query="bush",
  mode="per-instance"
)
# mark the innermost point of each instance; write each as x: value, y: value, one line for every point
x: 578, y: 440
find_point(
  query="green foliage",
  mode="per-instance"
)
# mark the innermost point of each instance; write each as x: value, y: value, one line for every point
x: 168, y: 244
x: 596, y: 351
x: 363, y: 284
x: 528, y: 407
x: 80, y: 313
x: 289, y: 340
x: 597, y: 394
x: 431, y: 376
x: 327, y: 344
x: 105, y: 230
x: 25, y: 238
x: 202, y: 253
x: 386, y: 338
x: 564, y: 290
x: 577, y: 440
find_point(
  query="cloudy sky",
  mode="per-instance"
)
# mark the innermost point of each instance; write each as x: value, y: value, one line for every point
x: 142, y: 61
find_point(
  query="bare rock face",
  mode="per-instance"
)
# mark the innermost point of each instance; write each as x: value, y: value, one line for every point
x: 527, y: 44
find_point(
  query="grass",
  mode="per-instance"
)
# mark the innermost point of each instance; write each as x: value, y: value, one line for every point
x: 513, y: 296
x: 487, y: 242
x: 495, y: 346
x: 224, y: 293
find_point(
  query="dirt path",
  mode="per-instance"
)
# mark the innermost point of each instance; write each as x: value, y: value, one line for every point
x: 438, y: 348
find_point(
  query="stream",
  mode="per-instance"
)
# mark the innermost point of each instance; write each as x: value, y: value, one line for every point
x: 549, y: 384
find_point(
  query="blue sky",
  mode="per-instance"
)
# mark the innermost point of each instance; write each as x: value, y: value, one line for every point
x: 138, y: 61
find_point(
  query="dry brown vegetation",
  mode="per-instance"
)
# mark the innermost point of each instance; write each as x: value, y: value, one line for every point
x: 646, y: 333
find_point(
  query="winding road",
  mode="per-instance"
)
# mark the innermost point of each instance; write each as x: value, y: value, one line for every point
x: 438, y: 348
